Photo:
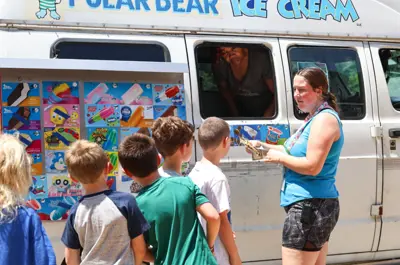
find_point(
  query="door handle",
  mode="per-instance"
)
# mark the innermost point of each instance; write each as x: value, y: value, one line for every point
x: 394, y: 133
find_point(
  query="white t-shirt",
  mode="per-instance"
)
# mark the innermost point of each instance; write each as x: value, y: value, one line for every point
x: 213, y: 183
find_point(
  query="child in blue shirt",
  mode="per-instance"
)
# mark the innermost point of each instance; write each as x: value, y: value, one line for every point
x: 23, y: 239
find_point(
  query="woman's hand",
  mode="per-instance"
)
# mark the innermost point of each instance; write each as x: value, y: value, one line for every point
x: 274, y: 156
x: 254, y: 143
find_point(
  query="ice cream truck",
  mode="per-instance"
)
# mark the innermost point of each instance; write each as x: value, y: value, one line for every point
x: 105, y: 69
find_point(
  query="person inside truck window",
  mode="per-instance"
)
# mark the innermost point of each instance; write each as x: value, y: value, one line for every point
x: 244, y: 78
x: 310, y: 158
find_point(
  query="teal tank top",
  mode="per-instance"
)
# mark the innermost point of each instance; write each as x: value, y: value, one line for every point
x: 297, y: 187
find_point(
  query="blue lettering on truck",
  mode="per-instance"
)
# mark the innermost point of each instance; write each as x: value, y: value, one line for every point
x: 317, y: 9
x: 206, y: 7
x: 249, y: 8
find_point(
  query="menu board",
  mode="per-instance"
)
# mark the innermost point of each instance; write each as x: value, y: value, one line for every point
x: 48, y: 116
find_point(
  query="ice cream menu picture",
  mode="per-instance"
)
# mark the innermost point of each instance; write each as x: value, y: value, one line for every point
x: 115, y: 110
x: 48, y: 116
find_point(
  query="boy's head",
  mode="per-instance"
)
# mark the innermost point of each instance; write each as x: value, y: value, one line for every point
x: 214, y: 136
x: 138, y: 155
x: 86, y: 162
x: 173, y: 136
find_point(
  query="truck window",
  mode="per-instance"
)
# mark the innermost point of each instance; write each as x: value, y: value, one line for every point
x: 343, y: 70
x: 391, y: 66
x: 150, y: 52
x: 235, y: 81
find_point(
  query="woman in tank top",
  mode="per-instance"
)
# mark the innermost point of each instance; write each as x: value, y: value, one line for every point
x: 310, y: 158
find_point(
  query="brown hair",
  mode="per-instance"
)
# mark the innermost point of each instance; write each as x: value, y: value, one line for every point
x: 169, y: 133
x: 317, y: 79
x: 85, y: 161
x: 138, y: 155
x: 212, y: 131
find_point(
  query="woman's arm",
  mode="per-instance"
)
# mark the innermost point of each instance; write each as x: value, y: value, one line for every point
x: 324, y: 132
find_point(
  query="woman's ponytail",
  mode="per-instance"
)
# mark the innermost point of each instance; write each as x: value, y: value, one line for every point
x: 331, y: 99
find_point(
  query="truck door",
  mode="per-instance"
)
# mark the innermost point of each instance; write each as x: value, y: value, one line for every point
x: 345, y: 66
x: 256, y: 216
x: 386, y: 59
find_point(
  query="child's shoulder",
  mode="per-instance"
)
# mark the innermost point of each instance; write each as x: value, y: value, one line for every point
x: 122, y: 198
x: 211, y: 172
x: 27, y: 214
x: 179, y: 181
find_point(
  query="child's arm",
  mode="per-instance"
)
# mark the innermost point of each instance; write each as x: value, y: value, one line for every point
x: 149, y: 257
x: 227, y: 238
x: 72, y: 256
x: 137, y: 226
x: 209, y: 213
x: 139, y: 249
x: 219, y: 197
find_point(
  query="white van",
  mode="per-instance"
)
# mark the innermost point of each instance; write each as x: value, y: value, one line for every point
x: 356, y: 42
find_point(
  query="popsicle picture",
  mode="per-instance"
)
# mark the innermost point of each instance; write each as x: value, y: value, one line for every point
x: 165, y: 111
x: 113, y: 158
x: 105, y: 92
x: 38, y: 190
x: 37, y: 164
x: 125, y: 132
x: 53, y: 209
x: 31, y: 139
x: 134, y: 116
x: 169, y: 95
x: 55, y: 162
x: 55, y: 92
x: 249, y: 132
x: 107, y: 138
x: 20, y: 94
x: 95, y: 95
x: 61, y: 185
x: 61, y: 115
x: 102, y: 115
x: 138, y: 94
x: 21, y: 118
x: 60, y: 138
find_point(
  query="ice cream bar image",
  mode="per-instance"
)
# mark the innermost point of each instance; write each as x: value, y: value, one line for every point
x: 132, y: 94
x: 61, y: 138
x: 19, y: 94
x: 101, y: 115
x: 96, y: 94
x: 168, y: 93
x: 62, y: 114
x: 25, y: 139
x: 59, y: 92
x: 145, y: 123
x: 19, y: 118
x: 136, y: 117
x: 111, y: 139
x: 250, y: 131
x: 171, y: 111
x: 113, y: 158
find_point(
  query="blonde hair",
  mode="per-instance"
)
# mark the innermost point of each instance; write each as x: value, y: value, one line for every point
x: 85, y: 161
x: 15, y: 176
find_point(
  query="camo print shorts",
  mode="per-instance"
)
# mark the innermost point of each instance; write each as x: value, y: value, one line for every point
x: 309, y: 223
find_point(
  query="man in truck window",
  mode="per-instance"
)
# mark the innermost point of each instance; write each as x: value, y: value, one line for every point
x: 244, y: 78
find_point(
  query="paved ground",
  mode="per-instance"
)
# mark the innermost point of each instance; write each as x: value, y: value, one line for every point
x: 387, y: 262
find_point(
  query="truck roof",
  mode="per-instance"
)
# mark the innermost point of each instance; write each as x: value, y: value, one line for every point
x: 371, y: 19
